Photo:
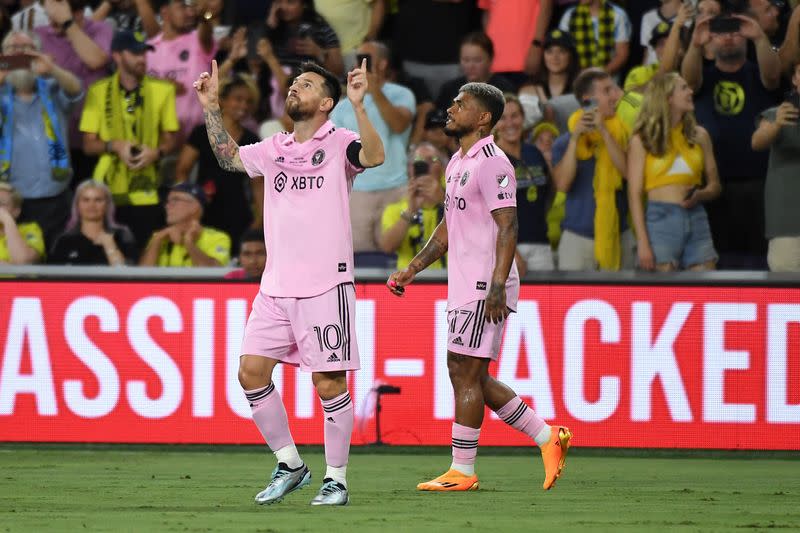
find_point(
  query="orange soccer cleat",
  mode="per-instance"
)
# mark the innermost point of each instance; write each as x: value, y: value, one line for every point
x: 554, y: 455
x: 452, y: 480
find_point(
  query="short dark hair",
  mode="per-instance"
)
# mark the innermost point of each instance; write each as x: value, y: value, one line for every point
x: 252, y: 235
x: 490, y: 97
x: 478, y: 38
x: 78, y: 5
x: 585, y: 80
x: 331, y: 84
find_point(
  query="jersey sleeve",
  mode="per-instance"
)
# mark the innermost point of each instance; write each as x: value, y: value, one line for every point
x: 217, y: 245
x: 498, y: 184
x: 623, y: 28
x: 169, y: 115
x: 391, y: 214
x: 32, y: 235
x: 347, y: 139
x: 253, y: 157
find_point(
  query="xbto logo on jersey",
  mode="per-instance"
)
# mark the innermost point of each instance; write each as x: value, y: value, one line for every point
x: 458, y: 202
x: 302, y: 183
x: 280, y: 182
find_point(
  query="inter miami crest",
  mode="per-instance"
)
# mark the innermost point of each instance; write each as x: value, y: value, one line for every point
x: 464, y: 178
x: 318, y: 157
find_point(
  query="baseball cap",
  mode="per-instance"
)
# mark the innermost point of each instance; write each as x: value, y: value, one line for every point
x: 436, y: 118
x: 559, y: 38
x: 191, y: 188
x: 127, y: 40
x: 544, y: 126
x: 661, y: 31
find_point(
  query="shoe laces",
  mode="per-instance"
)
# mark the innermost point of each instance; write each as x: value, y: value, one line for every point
x: 277, y: 475
x: 331, y: 487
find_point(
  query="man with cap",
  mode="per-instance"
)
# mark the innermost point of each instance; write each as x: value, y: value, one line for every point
x: 129, y: 121
x: 184, y: 242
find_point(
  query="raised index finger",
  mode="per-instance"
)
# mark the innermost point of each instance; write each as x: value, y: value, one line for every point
x: 214, y: 72
x: 364, y: 64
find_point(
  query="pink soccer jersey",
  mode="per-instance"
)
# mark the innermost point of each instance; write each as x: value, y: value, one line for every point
x: 477, y: 184
x: 181, y: 60
x: 306, y: 210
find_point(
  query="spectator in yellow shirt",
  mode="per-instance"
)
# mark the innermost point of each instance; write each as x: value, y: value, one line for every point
x: 408, y: 224
x: 20, y: 244
x: 184, y: 242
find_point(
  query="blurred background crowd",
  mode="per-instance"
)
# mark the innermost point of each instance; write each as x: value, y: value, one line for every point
x: 104, y: 157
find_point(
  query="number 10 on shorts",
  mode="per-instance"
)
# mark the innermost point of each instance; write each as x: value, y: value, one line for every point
x: 330, y: 338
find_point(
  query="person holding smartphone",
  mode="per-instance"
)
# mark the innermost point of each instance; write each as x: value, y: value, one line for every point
x: 730, y: 93
x: 778, y: 131
x: 677, y: 170
x: 588, y: 166
x: 36, y: 98
x: 408, y: 224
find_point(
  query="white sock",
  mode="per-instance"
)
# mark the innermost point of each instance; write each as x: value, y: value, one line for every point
x: 289, y: 456
x: 467, y: 470
x: 337, y: 473
x: 543, y: 437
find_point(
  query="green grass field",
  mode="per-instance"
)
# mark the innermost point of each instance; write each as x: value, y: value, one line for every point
x: 185, y: 489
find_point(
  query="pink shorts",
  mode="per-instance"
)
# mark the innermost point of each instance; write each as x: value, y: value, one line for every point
x: 469, y: 333
x: 317, y: 334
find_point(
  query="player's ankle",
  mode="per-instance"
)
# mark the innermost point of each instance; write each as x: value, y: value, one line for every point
x: 337, y: 473
x: 467, y: 470
x: 289, y: 456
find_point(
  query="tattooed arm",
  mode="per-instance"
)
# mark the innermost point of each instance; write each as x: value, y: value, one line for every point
x: 506, y: 220
x: 224, y: 147
x: 435, y: 248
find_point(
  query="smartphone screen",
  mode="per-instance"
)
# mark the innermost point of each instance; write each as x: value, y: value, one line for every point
x: 421, y: 168
x: 360, y: 59
x: 14, y: 62
x: 724, y: 25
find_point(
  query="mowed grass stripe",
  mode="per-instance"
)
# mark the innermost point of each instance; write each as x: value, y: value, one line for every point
x: 165, y: 490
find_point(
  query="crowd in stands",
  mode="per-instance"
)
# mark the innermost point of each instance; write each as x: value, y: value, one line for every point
x: 645, y: 134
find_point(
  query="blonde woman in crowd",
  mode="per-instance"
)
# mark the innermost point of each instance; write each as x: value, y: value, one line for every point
x: 670, y: 158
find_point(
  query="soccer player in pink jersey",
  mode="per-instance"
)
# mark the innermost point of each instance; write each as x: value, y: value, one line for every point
x: 303, y: 312
x: 479, y: 233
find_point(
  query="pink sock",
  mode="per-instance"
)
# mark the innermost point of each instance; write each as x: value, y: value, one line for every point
x: 269, y: 414
x: 338, y: 427
x: 519, y: 416
x: 465, y: 444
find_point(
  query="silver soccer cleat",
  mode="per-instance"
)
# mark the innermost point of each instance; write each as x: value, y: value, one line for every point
x: 283, y: 482
x: 331, y: 493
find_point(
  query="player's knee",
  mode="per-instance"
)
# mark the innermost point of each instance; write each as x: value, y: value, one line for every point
x: 251, y: 375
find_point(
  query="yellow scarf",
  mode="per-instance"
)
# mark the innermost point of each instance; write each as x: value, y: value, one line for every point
x: 141, y: 187
x: 607, y: 181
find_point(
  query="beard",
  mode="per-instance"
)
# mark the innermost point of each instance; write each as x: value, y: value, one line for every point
x: 297, y: 113
x: 456, y: 131
x: 731, y: 54
x: 22, y: 80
